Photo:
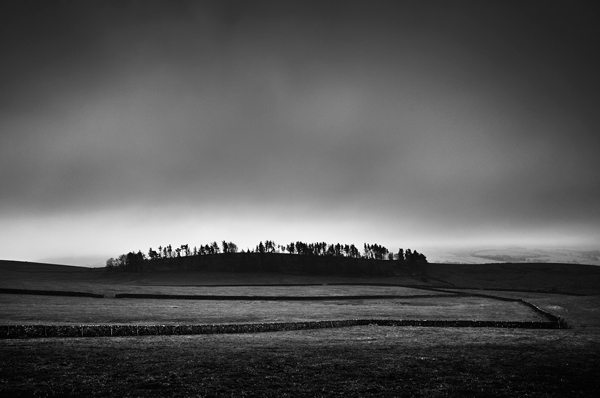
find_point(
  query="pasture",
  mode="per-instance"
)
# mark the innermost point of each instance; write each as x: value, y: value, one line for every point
x: 352, y: 361
x: 29, y: 309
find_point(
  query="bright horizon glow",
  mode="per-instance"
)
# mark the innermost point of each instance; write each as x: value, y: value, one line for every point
x: 106, y: 235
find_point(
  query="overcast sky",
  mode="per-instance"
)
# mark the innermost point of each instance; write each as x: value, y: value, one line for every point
x: 130, y: 124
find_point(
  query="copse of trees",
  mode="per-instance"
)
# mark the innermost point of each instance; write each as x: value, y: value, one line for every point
x: 130, y: 261
x: 133, y: 261
x: 417, y: 262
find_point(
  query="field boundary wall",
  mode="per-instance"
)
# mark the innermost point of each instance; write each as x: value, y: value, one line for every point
x: 51, y: 331
x: 270, y: 298
x: 434, y: 287
x: 50, y: 293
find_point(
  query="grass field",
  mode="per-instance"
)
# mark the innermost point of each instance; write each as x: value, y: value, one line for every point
x: 362, y: 361
x: 26, y: 309
x: 356, y: 361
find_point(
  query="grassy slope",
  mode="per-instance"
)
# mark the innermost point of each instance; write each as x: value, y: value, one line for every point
x: 52, y: 277
x: 528, y: 276
x: 573, y: 278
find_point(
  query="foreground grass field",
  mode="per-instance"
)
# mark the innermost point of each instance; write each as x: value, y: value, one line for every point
x: 356, y: 361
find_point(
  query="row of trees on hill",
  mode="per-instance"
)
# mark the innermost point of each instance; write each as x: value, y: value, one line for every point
x: 133, y: 261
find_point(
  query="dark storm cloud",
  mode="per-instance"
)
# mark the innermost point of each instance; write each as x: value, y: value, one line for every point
x: 449, y: 114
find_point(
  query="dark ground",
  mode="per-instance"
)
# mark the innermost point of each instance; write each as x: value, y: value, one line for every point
x: 361, y: 361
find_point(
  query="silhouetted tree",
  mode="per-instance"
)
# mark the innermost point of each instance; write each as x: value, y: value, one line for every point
x: 291, y: 248
x: 269, y: 246
x: 347, y: 250
x: 185, y: 249
x: 229, y: 247
x: 122, y: 261
x: 338, y: 250
x: 400, y: 257
x: 354, y: 251
x: 153, y: 255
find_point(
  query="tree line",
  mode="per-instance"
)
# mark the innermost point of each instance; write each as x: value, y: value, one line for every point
x: 133, y: 261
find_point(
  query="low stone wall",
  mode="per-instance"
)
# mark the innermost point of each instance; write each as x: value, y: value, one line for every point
x: 551, y: 317
x: 268, y: 298
x: 50, y: 293
x: 545, y: 291
x: 437, y: 287
x: 33, y: 331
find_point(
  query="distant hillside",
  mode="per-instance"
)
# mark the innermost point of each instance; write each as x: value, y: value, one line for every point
x: 226, y: 269
x: 79, y: 261
x: 558, y: 277
x: 7, y: 266
x: 590, y: 256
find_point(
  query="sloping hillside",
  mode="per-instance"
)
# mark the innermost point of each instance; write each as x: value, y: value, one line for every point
x: 571, y: 278
x: 528, y: 276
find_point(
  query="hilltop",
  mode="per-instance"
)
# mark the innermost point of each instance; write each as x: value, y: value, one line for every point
x: 277, y: 263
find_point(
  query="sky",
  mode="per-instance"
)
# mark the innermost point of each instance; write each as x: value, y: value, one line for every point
x: 126, y: 125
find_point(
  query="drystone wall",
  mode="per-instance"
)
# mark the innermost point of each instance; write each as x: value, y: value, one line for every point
x: 32, y: 331
x: 268, y: 298
x: 50, y: 293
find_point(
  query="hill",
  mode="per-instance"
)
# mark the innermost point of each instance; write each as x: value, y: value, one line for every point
x: 558, y: 277
x: 569, y: 278
x: 277, y: 263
